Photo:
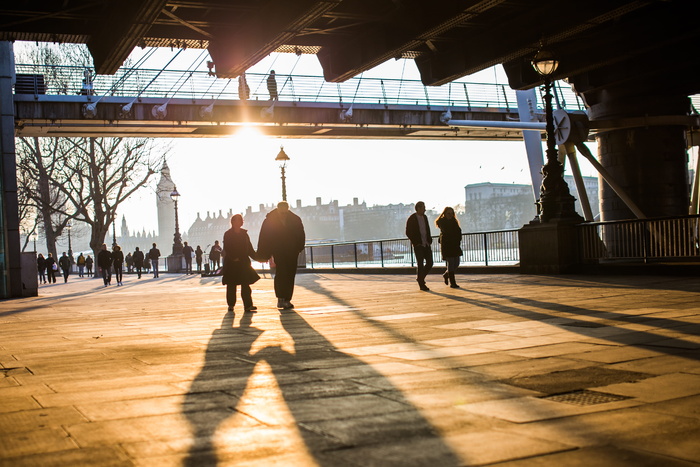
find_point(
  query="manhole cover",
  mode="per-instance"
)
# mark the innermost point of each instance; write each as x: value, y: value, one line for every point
x: 585, y: 397
x: 584, y: 324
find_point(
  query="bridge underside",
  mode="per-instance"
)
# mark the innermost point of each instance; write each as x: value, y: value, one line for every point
x: 63, y: 116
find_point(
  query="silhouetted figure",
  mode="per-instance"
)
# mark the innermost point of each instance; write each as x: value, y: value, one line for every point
x: 272, y: 85
x: 418, y: 232
x: 65, y: 264
x: 243, y: 88
x: 153, y: 255
x: 41, y: 268
x: 118, y: 262
x: 187, y: 252
x: 129, y: 261
x: 237, y: 269
x: 104, y: 262
x: 51, y: 268
x: 215, y: 256
x: 450, y: 244
x: 282, y: 237
x: 198, y: 257
x: 81, y: 265
x: 88, y: 265
x: 138, y: 261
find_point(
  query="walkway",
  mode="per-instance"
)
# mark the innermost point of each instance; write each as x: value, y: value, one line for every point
x: 369, y: 371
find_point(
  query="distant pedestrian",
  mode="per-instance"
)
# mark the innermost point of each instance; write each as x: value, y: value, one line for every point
x: 282, y: 237
x: 237, y: 269
x: 198, y: 257
x: 51, y: 268
x: 450, y: 244
x: 147, y: 264
x: 138, y: 261
x: 81, y: 265
x: 129, y: 261
x: 153, y: 255
x: 65, y: 263
x: 118, y: 263
x: 243, y: 88
x: 187, y: 252
x: 272, y: 85
x: 215, y: 256
x: 41, y: 268
x: 88, y: 265
x: 418, y: 232
x: 104, y: 262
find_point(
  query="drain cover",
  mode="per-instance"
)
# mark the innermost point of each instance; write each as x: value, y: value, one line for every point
x: 585, y: 397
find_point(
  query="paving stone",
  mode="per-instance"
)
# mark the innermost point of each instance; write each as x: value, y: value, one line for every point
x: 43, y: 440
x: 103, y: 456
x: 570, y: 380
x: 600, y: 456
x: 658, y: 388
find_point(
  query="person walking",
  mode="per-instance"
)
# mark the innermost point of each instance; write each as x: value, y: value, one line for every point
x: 138, y: 261
x: 237, y: 268
x: 129, y: 261
x: 104, y: 262
x: 243, y: 88
x: 118, y: 263
x: 187, y: 252
x: 51, y: 268
x: 215, y: 257
x: 272, y: 85
x: 65, y: 264
x: 88, y: 265
x: 418, y: 232
x: 81, y: 265
x: 282, y: 238
x: 198, y: 257
x: 41, y: 268
x: 153, y: 255
x: 450, y: 244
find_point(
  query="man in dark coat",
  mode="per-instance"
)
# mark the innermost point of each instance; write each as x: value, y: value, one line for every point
x: 153, y: 255
x: 237, y: 269
x: 137, y: 258
x: 104, y: 262
x: 282, y: 237
x: 65, y: 264
x: 187, y: 252
x: 272, y: 85
x: 418, y: 232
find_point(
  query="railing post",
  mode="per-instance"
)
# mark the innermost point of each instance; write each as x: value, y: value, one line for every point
x: 311, y: 255
x: 355, y: 250
x: 486, y: 250
x: 381, y: 252
x: 410, y: 249
x: 332, y: 257
x: 645, y: 240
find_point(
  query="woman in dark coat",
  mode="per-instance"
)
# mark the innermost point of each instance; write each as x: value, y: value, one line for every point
x: 104, y: 261
x: 41, y: 266
x: 50, y: 271
x: 118, y: 263
x: 450, y: 241
x: 237, y: 269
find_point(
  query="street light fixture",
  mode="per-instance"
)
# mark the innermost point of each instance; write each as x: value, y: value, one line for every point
x: 33, y: 237
x: 282, y: 156
x: 177, y: 239
x: 555, y: 200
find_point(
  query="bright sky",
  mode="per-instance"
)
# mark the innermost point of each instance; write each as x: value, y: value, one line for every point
x: 215, y: 174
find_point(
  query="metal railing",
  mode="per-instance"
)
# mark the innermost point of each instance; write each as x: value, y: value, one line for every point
x: 199, y: 85
x: 646, y: 240
x: 494, y: 248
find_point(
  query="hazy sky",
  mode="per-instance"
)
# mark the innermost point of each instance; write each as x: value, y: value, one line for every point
x: 215, y: 174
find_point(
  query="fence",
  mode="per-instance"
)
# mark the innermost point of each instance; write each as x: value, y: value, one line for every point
x: 645, y: 240
x: 495, y: 248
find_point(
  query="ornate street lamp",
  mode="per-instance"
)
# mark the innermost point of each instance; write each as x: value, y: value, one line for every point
x: 114, y: 231
x: 33, y: 238
x: 69, y: 226
x: 555, y: 200
x: 282, y: 156
x: 177, y: 239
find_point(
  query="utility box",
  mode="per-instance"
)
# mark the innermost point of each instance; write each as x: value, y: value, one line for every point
x: 30, y: 274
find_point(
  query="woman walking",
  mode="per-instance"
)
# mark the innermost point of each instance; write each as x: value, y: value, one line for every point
x: 450, y: 241
x: 41, y: 266
x: 118, y: 263
x: 237, y: 269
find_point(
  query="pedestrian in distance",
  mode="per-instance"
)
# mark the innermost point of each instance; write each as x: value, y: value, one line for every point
x: 282, y: 238
x: 138, y: 261
x: 272, y: 85
x: 41, y: 268
x: 237, y: 269
x: 88, y: 265
x: 104, y: 262
x: 129, y: 261
x: 215, y: 256
x: 153, y: 255
x: 51, y: 268
x: 243, y: 88
x: 118, y: 263
x: 187, y: 252
x: 198, y: 257
x: 450, y: 244
x: 418, y: 232
x: 81, y: 265
x: 65, y: 263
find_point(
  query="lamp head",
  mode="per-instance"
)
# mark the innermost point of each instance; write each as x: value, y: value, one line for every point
x: 282, y: 156
x: 174, y: 195
x: 545, y: 63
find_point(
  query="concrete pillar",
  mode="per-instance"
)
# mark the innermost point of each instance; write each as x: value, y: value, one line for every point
x: 10, y: 258
x: 650, y: 163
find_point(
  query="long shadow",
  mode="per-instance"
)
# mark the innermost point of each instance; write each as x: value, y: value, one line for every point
x: 322, y: 388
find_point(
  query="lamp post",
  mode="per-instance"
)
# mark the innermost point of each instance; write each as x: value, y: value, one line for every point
x: 33, y: 238
x: 555, y: 200
x: 177, y: 239
x: 114, y: 231
x: 69, y: 226
x: 282, y: 156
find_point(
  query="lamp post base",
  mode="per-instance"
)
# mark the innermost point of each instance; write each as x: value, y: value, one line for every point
x: 176, y: 263
x: 548, y: 248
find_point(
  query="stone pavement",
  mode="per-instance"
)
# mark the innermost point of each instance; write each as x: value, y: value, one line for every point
x: 368, y: 371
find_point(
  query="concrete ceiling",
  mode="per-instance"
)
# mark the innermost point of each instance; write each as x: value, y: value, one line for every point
x: 621, y: 45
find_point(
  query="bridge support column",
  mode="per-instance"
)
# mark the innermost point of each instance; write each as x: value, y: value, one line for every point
x: 10, y: 259
x: 650, y: 162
